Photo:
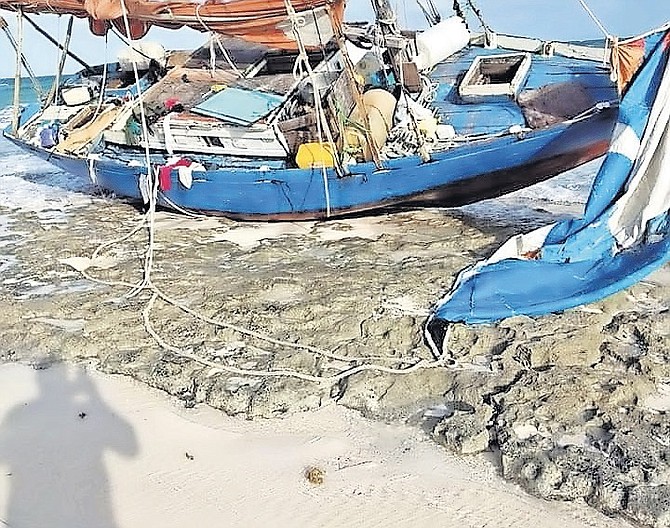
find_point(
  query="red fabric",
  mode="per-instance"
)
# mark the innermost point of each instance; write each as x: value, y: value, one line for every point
x: 169, y: 103
x: 165, y: 173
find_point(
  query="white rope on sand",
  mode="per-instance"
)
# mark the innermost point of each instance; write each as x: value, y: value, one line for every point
x: 361, y: 363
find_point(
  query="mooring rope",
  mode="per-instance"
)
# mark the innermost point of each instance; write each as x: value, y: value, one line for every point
x: 354, y: 364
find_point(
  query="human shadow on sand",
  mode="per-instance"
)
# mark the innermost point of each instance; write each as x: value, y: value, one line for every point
x: 54, y: 447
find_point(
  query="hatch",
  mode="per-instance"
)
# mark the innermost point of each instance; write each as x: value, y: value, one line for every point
x: 495, y: 76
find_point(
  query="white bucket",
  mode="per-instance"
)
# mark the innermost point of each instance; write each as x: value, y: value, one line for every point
x: 440, y: 41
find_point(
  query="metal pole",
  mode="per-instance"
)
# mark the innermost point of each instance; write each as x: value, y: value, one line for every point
x: 17, y: 73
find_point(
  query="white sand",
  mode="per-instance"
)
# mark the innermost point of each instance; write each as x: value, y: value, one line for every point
x: 137, y: 459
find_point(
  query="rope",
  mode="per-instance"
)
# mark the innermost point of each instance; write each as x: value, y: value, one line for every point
x: 479, y: 16
x: 412, y: 365
x: 153, y: 186
x: 214, y: 37
x: 606, y: 33
x: 55, y: 87
x: 16, y: 103
x: 430, y: 12
x: 458, y: 9
x: 103, y: 82
x: 301, y: 66
x: 664, y: 27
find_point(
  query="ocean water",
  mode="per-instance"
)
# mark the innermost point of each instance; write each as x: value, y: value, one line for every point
x: 27, y: 183
x: 27, y: 93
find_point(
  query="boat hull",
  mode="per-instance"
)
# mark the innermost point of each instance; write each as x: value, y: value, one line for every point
x: 458, y: 176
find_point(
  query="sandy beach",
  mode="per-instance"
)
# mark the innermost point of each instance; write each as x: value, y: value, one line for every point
x: 82, y: 449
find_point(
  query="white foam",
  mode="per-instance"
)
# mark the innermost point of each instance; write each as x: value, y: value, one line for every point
x: 540, y: 204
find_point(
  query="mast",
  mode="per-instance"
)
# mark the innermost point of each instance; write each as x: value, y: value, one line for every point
x: 393, y: 40
x: 17, y: 74
x: 24, y: 61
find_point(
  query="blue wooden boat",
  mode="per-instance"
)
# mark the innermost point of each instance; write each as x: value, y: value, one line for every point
x: 497, y: 114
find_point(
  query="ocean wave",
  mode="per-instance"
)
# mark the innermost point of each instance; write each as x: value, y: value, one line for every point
x: 6, y: 114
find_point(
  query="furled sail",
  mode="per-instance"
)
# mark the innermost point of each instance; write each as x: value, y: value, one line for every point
x: 623, y: 235
x: 262, y: 21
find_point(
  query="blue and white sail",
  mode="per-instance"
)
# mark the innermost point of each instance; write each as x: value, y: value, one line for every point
x: 623, y: 235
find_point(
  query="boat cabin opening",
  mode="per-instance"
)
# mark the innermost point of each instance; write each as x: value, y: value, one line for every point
x: 495, y: 75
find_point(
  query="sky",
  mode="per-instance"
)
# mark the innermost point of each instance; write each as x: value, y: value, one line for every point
x: 545, y: 19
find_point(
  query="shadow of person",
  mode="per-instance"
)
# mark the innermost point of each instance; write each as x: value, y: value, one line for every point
x: 54, y: 448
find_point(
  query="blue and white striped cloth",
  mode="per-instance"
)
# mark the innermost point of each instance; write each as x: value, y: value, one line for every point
x: 623, y: 235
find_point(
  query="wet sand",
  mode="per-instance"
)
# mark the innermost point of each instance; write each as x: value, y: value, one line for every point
x: 572, y: 405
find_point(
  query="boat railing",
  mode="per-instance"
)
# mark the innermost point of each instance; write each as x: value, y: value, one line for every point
x: 570, y: 50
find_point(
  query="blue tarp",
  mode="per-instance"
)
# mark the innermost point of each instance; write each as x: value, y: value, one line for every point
x: 623, y: 235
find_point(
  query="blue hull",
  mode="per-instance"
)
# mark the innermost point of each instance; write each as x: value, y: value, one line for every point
x: 457, y: 176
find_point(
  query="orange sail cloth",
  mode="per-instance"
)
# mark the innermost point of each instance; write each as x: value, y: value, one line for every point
x: 262, y: 21
x: 626, y: 60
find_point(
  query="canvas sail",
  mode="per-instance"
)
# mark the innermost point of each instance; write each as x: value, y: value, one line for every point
x: 262, y: 21
x: 623, y: 236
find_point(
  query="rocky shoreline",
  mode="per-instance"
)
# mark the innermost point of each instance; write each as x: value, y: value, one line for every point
x: 573, y: 405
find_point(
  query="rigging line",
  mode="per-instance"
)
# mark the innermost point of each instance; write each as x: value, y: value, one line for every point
x: 660, y: 29
x: 151, y: 177
x: 128, y: 42
x: 17, y: 75
x: 607, y: 34
x: 430, y: 13
x: 478, y: 14
x: 56, y: 43
x: 212, y: 51
x: 33, y: 78
x: 458, y: 9
x: 103, y: 82
x: 214, y: 37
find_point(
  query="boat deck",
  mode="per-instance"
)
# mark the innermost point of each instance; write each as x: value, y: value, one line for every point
x: 499, y: 114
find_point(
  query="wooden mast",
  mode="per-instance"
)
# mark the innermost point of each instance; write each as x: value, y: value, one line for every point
x: 17, y: 73
x: 393, y: 40
x: 53, y: 93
